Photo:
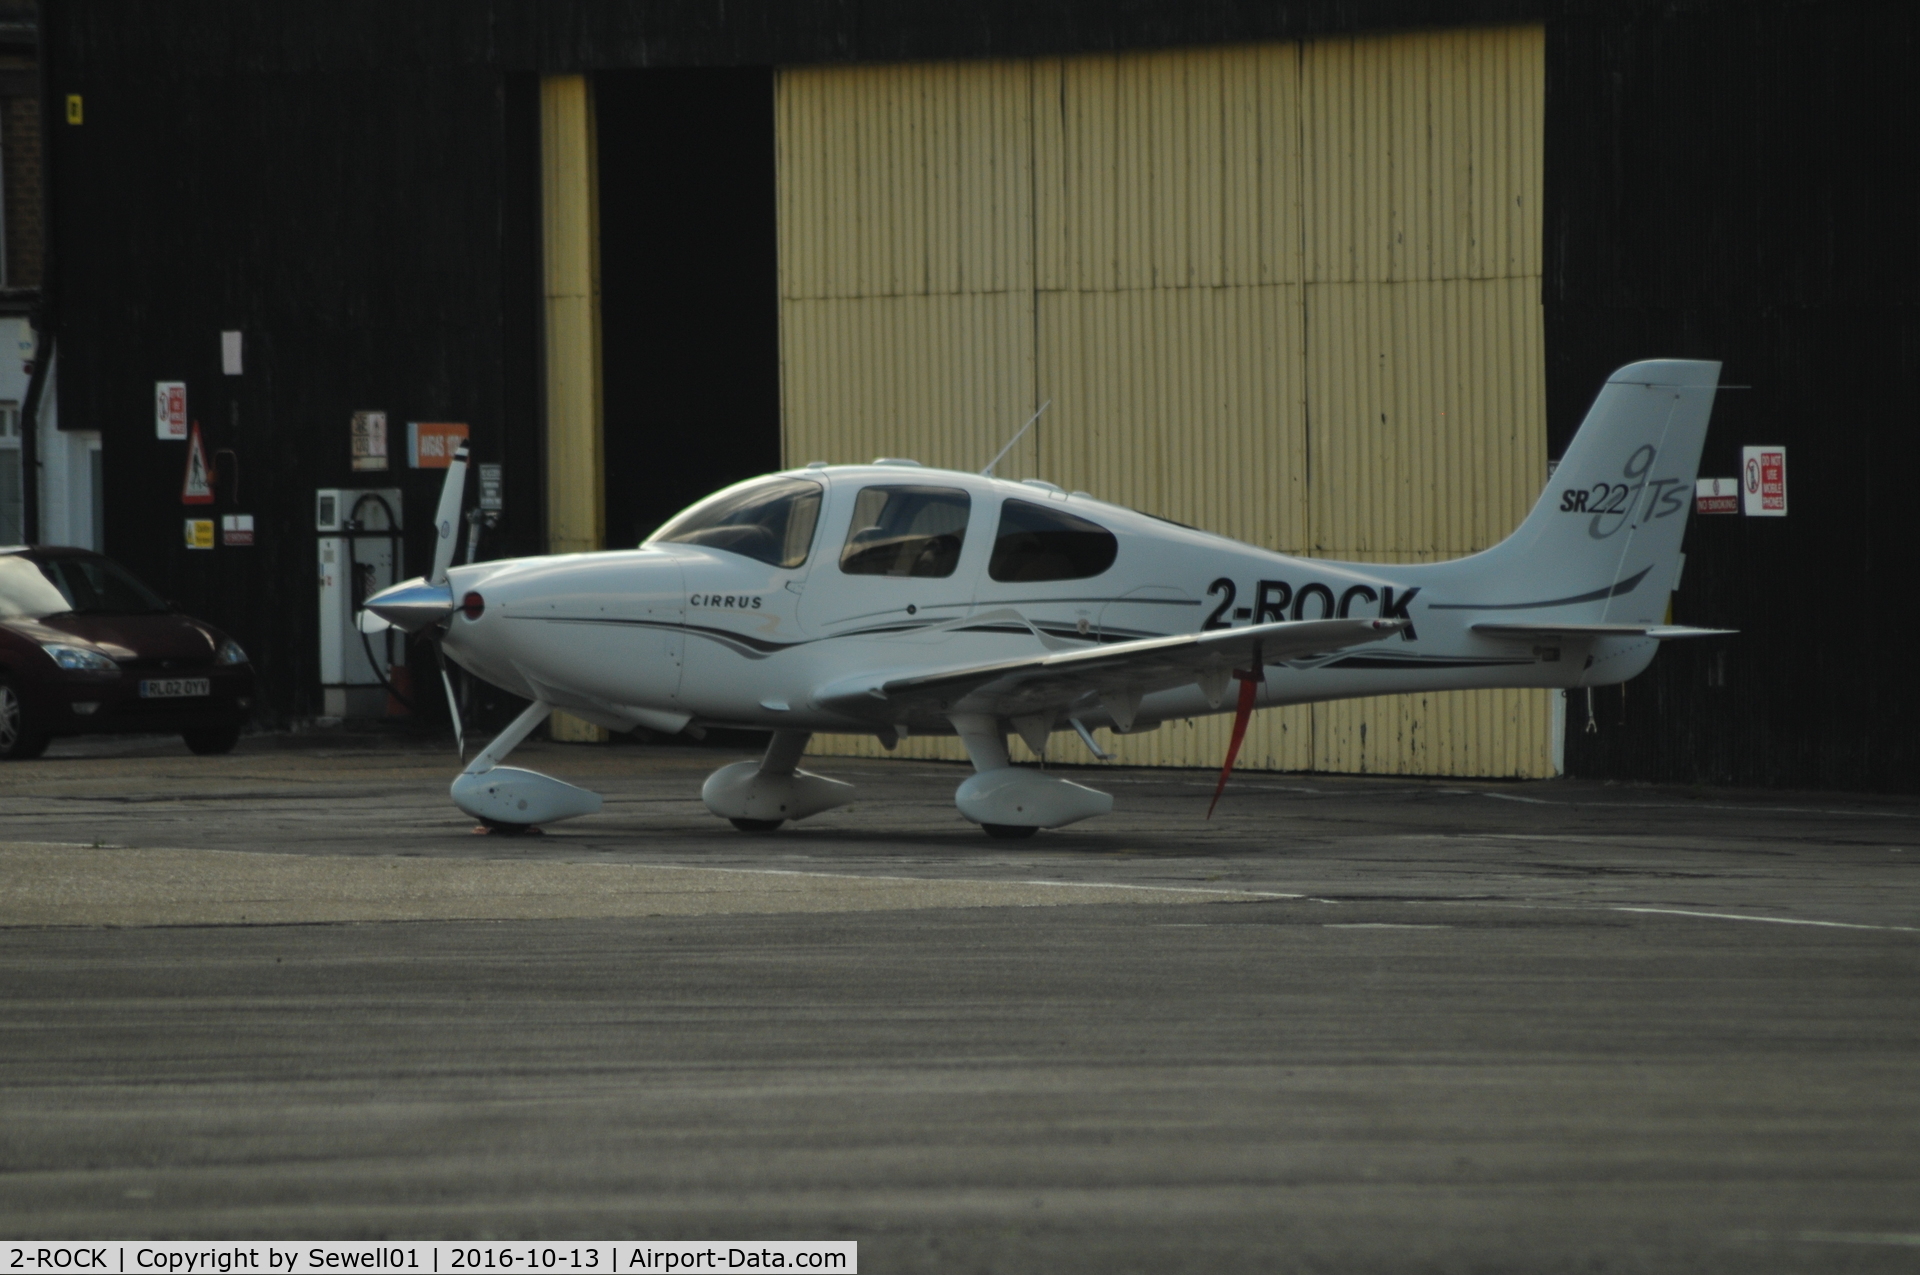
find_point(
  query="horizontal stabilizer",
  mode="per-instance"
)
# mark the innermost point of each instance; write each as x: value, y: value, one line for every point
x: 1663, y: 632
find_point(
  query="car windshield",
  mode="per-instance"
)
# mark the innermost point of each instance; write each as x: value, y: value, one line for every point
x: 99, y: 586
x: 25, y: 594
x: 770, y: 521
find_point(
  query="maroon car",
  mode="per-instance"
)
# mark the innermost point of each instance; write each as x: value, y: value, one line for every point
x: 85, y: 648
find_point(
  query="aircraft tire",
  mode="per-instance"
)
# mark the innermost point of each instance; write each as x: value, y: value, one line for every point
x: 1008, y: 831
x: 757, y: 825
x: 19, y: 741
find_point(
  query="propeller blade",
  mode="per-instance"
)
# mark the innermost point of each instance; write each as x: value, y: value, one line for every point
x: 446, y: 523
x: 453, y: 703
x: 1250, y: 680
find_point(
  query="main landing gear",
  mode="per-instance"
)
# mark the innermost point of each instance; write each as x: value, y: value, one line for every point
x: 759, y: 796
x: 1008, y: 802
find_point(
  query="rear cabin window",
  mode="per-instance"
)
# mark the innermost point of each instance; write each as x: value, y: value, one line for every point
x: 1039, y: 543
x: 770, y: 522
x: 906, y: 531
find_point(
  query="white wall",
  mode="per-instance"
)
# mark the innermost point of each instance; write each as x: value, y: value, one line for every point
x: 67, y: 514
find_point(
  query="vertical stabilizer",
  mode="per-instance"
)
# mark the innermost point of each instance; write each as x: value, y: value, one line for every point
x: 1602, y: 545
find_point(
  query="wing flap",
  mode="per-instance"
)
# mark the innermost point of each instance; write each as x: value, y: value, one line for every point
x: 1150, y: 664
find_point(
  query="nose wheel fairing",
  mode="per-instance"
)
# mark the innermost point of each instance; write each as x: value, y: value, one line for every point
x: 496, y: 794
x: 510, y: 795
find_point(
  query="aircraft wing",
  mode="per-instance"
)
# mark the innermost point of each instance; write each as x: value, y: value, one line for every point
x: 1054, y: 680
x: 1664, y: 632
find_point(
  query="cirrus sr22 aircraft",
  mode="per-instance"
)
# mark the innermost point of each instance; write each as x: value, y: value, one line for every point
x: 891, y: 599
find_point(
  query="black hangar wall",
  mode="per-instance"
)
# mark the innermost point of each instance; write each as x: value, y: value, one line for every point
x: 1737, y: 182
x: 372, y: 236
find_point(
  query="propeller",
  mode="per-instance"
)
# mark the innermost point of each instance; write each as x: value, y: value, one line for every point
x: 453, y: 701
x: 446, y: 530
x: 424, y: 605
x: 446, y: 523
x: 1250, y: 680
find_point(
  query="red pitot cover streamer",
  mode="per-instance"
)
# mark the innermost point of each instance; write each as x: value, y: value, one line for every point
x: 1249, y: 687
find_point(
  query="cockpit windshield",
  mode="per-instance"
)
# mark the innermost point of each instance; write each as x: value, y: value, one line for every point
x: 770, y: 521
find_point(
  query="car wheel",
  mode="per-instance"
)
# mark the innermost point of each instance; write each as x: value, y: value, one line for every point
x: 19, y: 739
x: 211, y: 740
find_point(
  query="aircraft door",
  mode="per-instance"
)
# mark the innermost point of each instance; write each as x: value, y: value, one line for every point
x: 901, y: 558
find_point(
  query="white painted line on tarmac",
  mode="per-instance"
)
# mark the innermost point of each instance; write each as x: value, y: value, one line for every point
x: 1770, y: 920
x: 1903, y: 1239
x: 1700, y: 805
x: 1378, y: 925
x: 1081, y: 885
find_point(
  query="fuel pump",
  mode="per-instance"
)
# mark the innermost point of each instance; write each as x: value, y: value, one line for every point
x: 360, y: 554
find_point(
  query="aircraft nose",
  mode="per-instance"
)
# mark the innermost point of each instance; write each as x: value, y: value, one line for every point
x: 413, y: 605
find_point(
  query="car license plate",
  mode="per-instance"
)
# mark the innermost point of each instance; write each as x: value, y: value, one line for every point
x: 175, y: 687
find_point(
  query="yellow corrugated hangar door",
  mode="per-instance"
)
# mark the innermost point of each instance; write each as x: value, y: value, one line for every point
x: 1285, y: 292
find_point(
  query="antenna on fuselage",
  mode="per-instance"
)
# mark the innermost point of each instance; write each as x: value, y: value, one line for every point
x: 1002, y: 454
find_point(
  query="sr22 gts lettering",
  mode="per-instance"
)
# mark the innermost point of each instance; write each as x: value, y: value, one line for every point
x: 1612, y: 504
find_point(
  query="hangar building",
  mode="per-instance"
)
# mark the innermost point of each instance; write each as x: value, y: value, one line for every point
x: 1335, y: 278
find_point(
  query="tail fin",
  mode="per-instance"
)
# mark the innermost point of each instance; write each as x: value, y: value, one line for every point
x: 1602, y: 546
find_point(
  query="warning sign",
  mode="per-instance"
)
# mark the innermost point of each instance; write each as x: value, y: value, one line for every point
x: 197, y: 487
x: 170, y: 409
x: 199, y: 533
x: 1716, y: 496
x: 1763, y: 481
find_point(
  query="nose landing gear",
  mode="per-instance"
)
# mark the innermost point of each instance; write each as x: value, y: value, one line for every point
x: 503, y: 797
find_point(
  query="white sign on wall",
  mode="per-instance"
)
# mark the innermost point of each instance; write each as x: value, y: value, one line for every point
x: 1763, y: 481
x: 369, y: 431
x: 1716, y: 496
x: 170, y: 409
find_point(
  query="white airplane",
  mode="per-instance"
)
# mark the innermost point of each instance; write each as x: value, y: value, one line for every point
x: 891, y: 599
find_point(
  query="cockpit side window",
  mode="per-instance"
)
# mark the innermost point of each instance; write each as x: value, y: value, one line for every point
x: 1039, y: 543
x: 906, y: 531
x: 770, y: 521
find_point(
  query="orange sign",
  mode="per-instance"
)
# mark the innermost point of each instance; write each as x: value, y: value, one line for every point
x: 431, y: 445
